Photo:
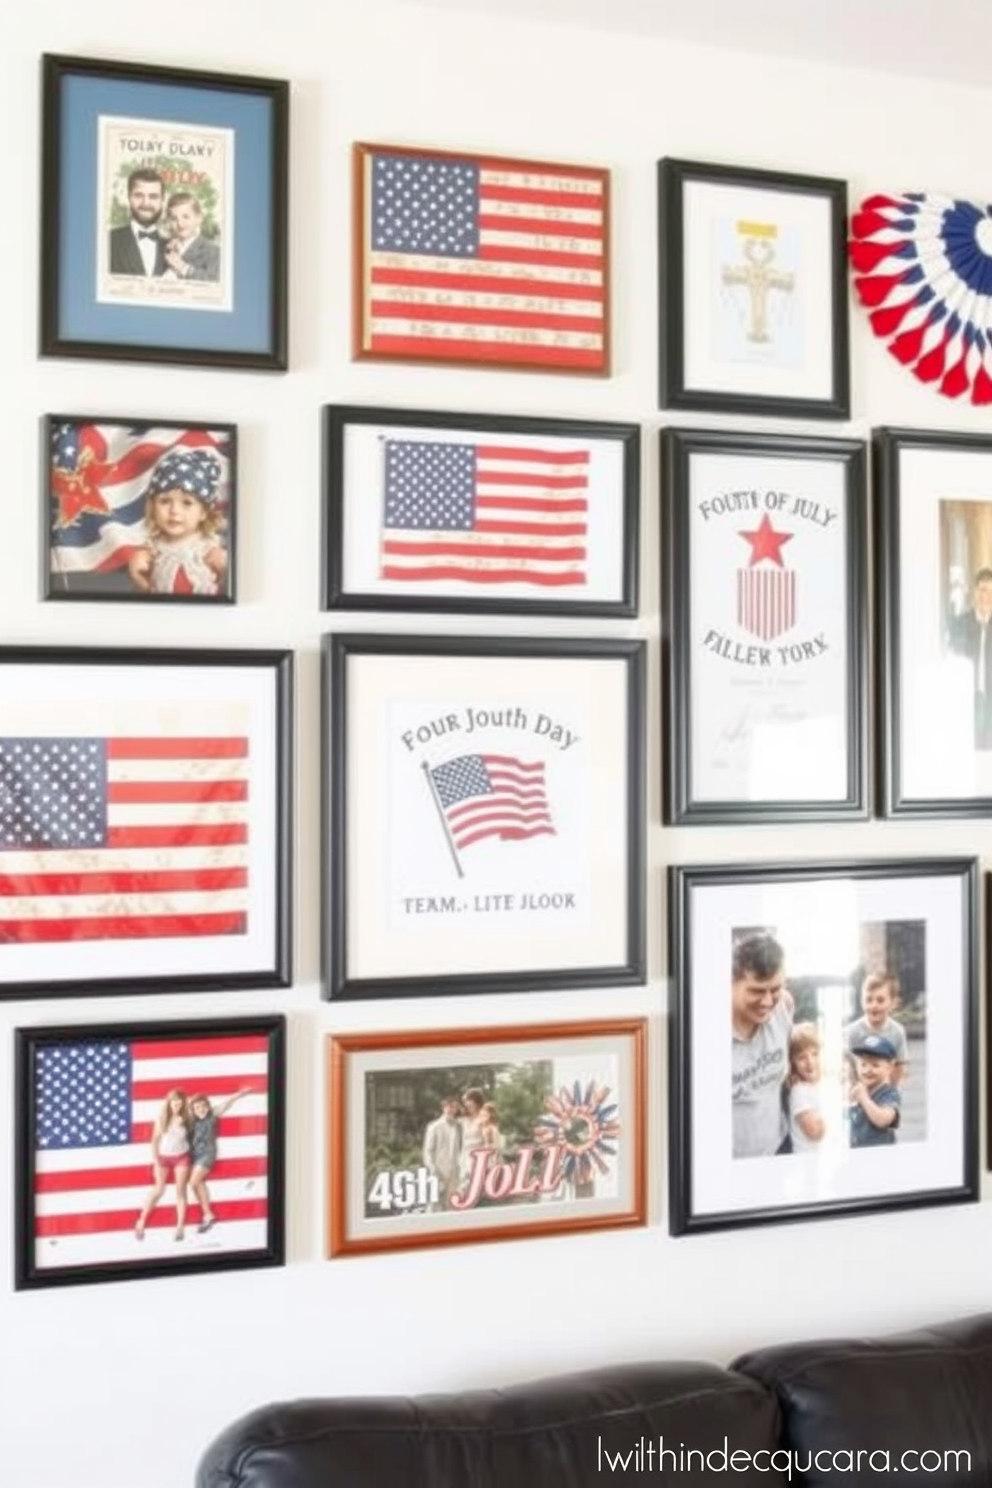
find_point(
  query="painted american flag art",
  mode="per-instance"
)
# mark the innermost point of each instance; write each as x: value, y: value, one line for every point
x: 492, y: 795
x: 87, y: 1164
x: 477, y: 259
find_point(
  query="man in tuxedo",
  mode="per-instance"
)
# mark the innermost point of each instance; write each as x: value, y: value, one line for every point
x: 970, y: 635
x: 138, y: 248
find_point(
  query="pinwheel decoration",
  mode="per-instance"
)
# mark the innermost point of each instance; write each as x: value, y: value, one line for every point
x: 580, y: 1122
x: 923, y: 269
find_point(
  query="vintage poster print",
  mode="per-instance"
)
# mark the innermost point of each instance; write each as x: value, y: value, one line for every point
x: 844, y: 1002
x: 769, y: 628
x: 138, y: 510
x: 150, y: 1149
x: 445, y: 1142
x: 166, y: 194
x: 488, y: 826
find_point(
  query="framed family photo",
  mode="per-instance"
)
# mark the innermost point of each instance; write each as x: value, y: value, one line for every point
x: 765, y: 676
x: 753, y: 291
x: 934, y: 578
x: 824, y: 1052
x: 164, y: 214
x: 138, y: 510
x: 481, y: 261
x: 484, y: 814
x: 463, y: 1135
x: 144, y: 820
x: 458, y: 512
x: 148, y: 1149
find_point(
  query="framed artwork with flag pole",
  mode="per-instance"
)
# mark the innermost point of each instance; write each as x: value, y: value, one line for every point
x: 484, y: 814
x: 472, y: 512
x: 144, y: 820
x: 764, y: 665
x: 139, y: 510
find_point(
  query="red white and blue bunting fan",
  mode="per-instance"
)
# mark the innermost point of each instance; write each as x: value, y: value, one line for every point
x: 923, y: 269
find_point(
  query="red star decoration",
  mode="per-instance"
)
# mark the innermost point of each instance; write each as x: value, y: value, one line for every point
x: 76, y: 493
x: 766, y: 542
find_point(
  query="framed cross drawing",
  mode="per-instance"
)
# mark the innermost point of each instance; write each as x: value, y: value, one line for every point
x: 144, y: 820
x: 480, y: 260
x: 753, y: 291
x: 765, y: 676
x: 484, y: 814
x: 476, y: 513
x: 461, y: 1135
x: 148, y: 1149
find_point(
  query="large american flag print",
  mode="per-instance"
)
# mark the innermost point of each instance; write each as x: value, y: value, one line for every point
x: 492, y: 795
x: 491, y: 513
x: 122, y: 838
x: 475, y: 259
x: 95, y: 1104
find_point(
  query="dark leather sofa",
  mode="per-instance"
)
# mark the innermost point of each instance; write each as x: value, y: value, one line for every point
x: 916, y: 1406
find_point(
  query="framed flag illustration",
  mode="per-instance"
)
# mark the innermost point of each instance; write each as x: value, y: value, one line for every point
x: 458, y: 512
x: 144, y: 820
x: 484, y: 814
x: 148, y: 1149
x: 480, y: 260
x: 462, y: 1135
x: 139, y: 510
x: 764, y: 666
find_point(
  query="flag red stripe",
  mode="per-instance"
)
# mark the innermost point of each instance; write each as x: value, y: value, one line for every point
x: 533, y: 529
x: 118, y: 927
x: 36, y: 885
x: 208, y: 1048
x: 557, y: 289
x: 507, y: 834
x: 143, y: 791
x: 207, y: 748
x: 532, y: 456
x: 481, y: 809
x: 545, y: 227
x: 577, y: 482
x: 531, y: 767
x: 233, y: 1126
x: 551, y: 257
x: 399, y: 547
x: 50, y: 1227
x: 523, y: 352
x: 222, y: 1086
x: 534, y: 503
x: 591, y: 200
x: 220, y: 834
x: 484, y: 575
x: 531, y: 320
x: 134, y: 1174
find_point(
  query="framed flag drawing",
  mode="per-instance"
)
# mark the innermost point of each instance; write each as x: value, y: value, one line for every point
x: 764, y: 663
x: 164, y: 206
x: 148, y: 1149
x: 753, y: 291
x: 138, y: 510
x: 467, y: 1134
x: 484, y: 814
x: 476, y: 513
x: 144, y: 820
x: 480, y: 260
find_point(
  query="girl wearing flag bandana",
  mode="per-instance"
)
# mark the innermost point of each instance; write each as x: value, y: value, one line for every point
x: 183, y: 554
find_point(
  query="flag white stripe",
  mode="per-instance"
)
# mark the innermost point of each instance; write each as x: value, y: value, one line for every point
x: 256, y: 1104
x: 454, y: 330
x: 155, y: 770
x: 485, y: 268
x: 536, y: 181
x: 235, y: 1065
x: 110, y: 1200
x: 493, y: 207
x: 117, y: 906
x: 415, y: 294
x: 84, y: 1159
x: 485, y: 542
x: 112, y: 860
x: 503, y: 237
x: 482, y: 561
x: 169, y: 813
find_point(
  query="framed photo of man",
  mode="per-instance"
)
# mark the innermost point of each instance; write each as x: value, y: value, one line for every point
x: 824, y: 1048
x: 163, y: 215
x: 934, y: 581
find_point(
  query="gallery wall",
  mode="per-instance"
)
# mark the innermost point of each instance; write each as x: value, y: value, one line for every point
x: 112, y: 1385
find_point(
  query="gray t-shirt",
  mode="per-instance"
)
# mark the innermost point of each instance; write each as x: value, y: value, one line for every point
x: 890, y: 1029
x: 758, y: 1066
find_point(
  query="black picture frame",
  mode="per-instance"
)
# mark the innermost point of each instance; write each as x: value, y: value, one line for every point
x: 595, y: 481
x: 849, y: 926
x: 100, y: 477
x: 933, y: 494
x: 225, y: 249
x: 786, y: 698
x: 709, y: 360
x: 66, y: 1233
x: 142, y: 848
x: 399, y: 815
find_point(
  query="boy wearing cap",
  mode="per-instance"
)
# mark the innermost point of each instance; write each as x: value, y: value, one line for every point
x: 182, y: 554
x: 875, y: 1099
x: 879, y: 1000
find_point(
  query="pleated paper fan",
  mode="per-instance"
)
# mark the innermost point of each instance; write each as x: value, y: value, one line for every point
x: 923, y: 269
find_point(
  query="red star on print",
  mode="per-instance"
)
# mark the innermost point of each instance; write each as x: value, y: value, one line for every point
x: 76, y: 492
x: 766, y: 542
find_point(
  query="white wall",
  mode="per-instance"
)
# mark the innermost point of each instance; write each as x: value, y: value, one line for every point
x: 92, y: 1379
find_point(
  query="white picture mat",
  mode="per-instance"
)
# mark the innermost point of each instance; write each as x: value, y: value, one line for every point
x: 396, y: 848
x: 822, y: 917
